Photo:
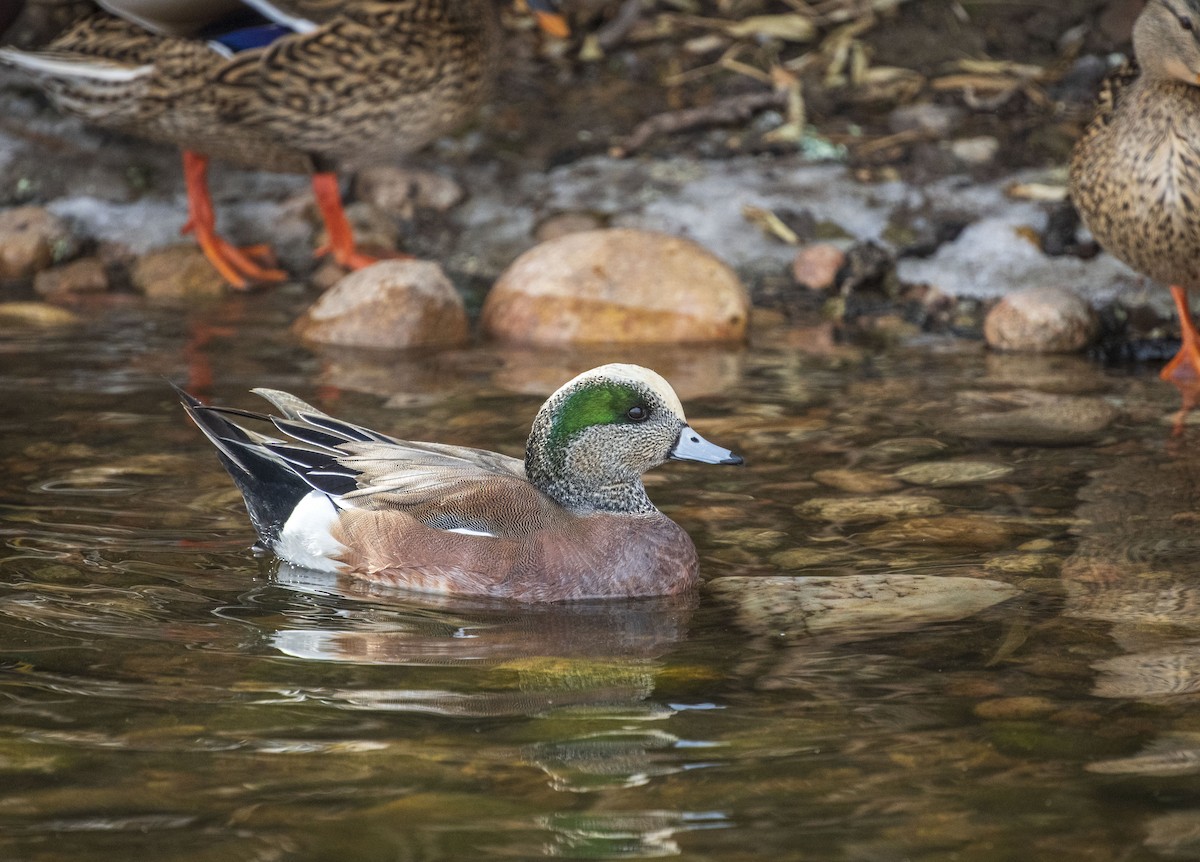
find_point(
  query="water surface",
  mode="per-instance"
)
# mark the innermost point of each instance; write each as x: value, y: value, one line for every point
x: 164, y: 693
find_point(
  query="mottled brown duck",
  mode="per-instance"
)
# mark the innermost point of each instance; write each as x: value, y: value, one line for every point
x: 306, y: 86
x: 571, y: 521
x: 1135, y: 173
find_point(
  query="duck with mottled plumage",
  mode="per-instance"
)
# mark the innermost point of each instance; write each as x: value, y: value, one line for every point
x: 572, y: 521
x: 284, y: 85
x: 1135, y: 173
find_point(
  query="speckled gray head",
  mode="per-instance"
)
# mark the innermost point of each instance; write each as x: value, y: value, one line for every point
x: 594, y: 438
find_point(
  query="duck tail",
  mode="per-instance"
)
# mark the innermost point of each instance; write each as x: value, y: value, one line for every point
x: 272, y: 488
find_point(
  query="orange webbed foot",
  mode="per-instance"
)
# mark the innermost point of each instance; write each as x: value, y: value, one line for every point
x: 341, y: 237
x: 1183, y: 371
x: 241, y: 267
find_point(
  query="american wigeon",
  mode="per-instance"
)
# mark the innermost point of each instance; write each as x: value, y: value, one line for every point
x: 571, y: 522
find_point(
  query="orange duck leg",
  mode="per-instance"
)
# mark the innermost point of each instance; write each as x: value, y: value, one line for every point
x: 337, y: 226
x: 241, y: 267
x: 1183, y: 371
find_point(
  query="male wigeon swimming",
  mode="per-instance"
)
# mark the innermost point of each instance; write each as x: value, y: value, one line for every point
x: 571, y: 522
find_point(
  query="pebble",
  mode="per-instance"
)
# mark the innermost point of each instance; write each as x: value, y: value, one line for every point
x: 975, y: 151
x: 175, y: 272
x: 32, y: 239
x: 944, y: 474
x: 397, y: 191
x: 392, y: 304
x: 86, y: 275
x: 816, y: 266
x: 617, y: 286
x: 1041, y: 320
x: 858, y: 510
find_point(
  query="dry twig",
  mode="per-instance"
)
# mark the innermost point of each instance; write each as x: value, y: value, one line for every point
x: 735, y: 109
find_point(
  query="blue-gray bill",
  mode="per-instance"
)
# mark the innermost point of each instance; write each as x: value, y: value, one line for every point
x: 692, y: 447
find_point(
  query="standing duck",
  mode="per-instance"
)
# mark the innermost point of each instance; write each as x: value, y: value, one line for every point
x: 1135, y: 173
x: 572, y: 521
x: 284, y: 85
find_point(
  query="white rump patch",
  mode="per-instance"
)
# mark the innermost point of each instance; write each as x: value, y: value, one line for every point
x: 306, y: 539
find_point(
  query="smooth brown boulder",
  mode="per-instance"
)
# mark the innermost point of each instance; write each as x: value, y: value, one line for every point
x: 389, y: 305
x: 616, y: 286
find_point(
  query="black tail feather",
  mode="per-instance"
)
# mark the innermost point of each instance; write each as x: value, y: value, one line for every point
x: 272, y: 489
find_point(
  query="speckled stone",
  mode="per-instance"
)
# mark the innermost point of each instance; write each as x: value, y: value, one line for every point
x: 391, y: 304
x: 1041, y: 320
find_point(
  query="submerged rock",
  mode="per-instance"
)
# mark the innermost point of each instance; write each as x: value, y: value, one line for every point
x: 856, y: 604
x: 961, y: 531
x: 859, y: 510
x: 1037, y: 419
x: 32, y: 239
x: 391, y: 304
x: 35, y: 314
x: 1041, y: 320
x: 1015, y: 708
x: 620, y: 285
x: 943, y: 474
x: 857, y: 481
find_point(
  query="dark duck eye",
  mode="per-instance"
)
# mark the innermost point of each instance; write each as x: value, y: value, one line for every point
x: 637, y: 413
x: 1186, y: 23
